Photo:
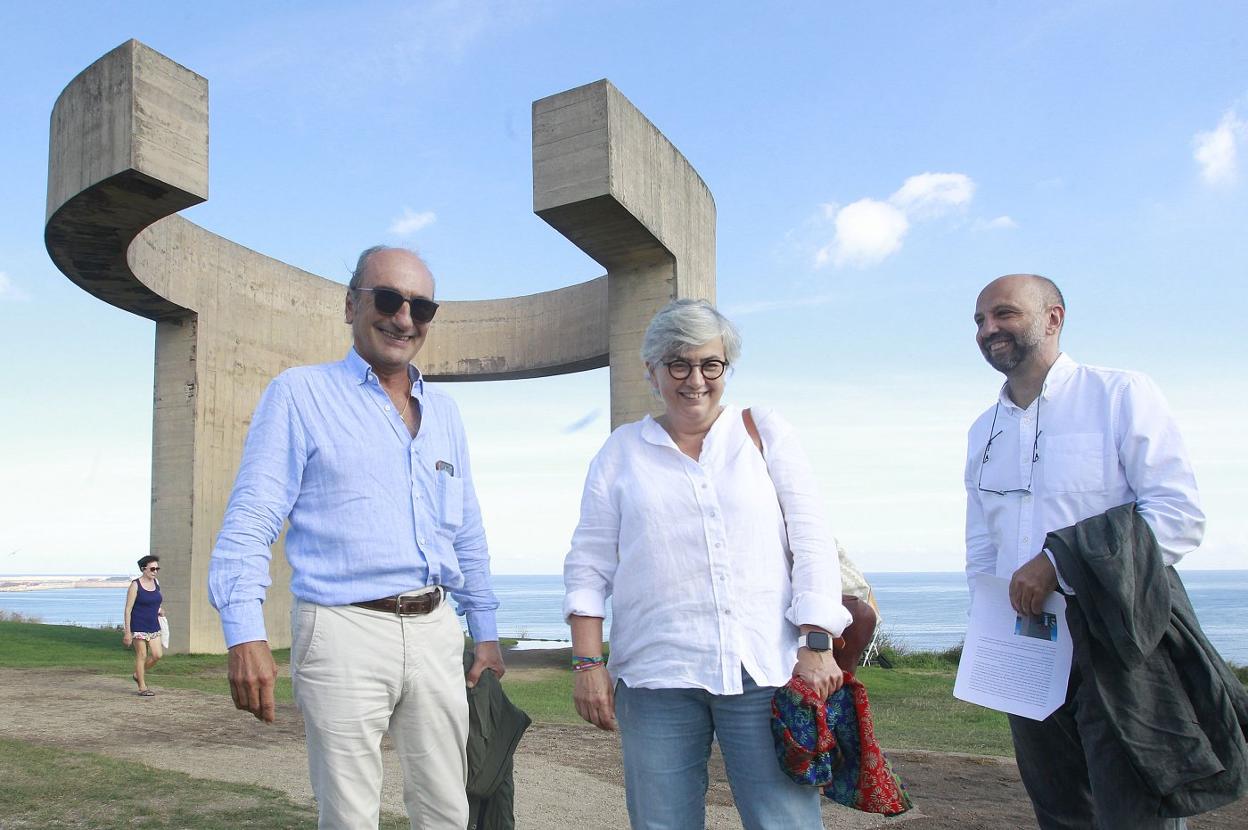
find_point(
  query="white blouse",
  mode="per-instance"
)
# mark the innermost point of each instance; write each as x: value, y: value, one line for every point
x: 695, y: 557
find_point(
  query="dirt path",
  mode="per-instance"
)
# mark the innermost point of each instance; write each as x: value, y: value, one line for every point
x: 559, y: 768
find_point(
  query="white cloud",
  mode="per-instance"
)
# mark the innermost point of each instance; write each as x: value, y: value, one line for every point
x: 1217, y: 151
x: 9, y: 290
x: 411, y: 221
x: 867, y: 233
x: 932, y: 194
x: 1001, y: 223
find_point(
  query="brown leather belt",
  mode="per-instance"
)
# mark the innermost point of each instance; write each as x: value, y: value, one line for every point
x: 405, y: 606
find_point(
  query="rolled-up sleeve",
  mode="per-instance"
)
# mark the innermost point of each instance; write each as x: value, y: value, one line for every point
x: 476, y: 598
x: 589, y: 568
x: 816, y: 569
x: 274, y: 457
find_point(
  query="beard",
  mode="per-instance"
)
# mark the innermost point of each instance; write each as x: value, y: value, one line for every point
x: 1021, y: 347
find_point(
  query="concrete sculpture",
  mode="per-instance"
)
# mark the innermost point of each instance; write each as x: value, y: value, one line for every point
x: 129, y: 149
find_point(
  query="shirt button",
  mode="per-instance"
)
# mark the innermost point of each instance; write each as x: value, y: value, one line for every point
x: 719, y: 545
x: 703, y: 485
x: 1026, y: 539
x: 712, y: 514
x: 727, y: 612
x: 387, y: 407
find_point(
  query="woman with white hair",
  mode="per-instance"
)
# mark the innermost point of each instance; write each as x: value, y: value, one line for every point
x: 724, y: 582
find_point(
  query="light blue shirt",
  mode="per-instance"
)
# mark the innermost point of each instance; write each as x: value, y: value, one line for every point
x: 373, y: 512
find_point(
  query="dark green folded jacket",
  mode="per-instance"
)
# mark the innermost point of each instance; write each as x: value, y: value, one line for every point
x: 1169, y: 697
x: 495, y: 726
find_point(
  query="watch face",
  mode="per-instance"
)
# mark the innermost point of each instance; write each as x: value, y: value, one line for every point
x: 818, y: 641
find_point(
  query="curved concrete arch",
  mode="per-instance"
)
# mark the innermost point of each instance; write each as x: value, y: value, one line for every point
x: 129, y: 149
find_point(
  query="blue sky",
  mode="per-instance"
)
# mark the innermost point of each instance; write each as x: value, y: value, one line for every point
x: 872, y: 168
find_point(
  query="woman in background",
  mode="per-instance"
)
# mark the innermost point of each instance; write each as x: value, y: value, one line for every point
x: 716, y: 599
x: 142, y: 621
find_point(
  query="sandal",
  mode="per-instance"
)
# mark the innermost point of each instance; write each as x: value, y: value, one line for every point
x: 147, y: 693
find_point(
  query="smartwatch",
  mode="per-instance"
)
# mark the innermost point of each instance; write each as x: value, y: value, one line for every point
x: 816, y: 641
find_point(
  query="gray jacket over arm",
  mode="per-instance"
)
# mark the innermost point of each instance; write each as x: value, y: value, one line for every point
x: 1169, y: 697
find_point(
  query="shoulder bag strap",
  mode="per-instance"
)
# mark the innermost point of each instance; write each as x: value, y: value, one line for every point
x: 752, y: 429
x: 861, y: 612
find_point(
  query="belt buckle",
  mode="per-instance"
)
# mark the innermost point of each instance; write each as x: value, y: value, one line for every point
x: 433, y: 603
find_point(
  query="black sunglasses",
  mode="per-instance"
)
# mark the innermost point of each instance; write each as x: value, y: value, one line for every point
x: 154, y: 568
x: 388, y: 301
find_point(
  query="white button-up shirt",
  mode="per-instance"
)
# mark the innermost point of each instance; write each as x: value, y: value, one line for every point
x: 1105, y: 438
x: 695, y: 558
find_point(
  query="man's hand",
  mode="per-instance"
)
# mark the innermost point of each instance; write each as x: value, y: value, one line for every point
x: 252, y: 677
x: 1031, y: 585
x: 486, y: 655
x: 819, y: 670
x: 594, y: 698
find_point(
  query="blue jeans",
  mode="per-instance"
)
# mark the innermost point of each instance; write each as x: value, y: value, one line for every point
x: 666, y: 736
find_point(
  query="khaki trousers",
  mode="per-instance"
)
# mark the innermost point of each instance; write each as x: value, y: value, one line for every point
x: 358, y: 673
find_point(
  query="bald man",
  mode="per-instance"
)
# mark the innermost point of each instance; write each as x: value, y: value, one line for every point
x: 1062, y: 443
x: 370, y: 466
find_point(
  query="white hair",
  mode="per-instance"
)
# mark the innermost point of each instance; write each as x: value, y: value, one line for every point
x: 685, y: 324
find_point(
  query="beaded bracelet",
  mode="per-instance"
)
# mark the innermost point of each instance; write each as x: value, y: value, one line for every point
x: 587, y: 663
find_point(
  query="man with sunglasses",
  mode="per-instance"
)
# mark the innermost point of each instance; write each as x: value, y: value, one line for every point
x: 1062, y: 443
x: 370, y: 465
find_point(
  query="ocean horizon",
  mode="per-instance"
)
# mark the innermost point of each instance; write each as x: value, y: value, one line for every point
x: 921, y: 611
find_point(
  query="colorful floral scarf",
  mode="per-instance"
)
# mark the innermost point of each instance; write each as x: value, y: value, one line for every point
x: 832, y: 745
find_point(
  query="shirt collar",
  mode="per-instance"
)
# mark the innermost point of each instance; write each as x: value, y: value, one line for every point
x: 359, y: 369
x: 652, y: 431
x: 1058, y: 374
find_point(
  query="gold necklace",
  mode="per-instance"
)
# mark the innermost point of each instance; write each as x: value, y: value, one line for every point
x: 406, y: 404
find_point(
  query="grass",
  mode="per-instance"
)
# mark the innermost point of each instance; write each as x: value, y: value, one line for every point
x: 546, y: 694
x: 913, y: 702
x: 27, y: 645
x: 914, y: 708
x: 50, y: 788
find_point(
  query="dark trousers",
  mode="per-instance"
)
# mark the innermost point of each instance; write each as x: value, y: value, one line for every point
x: 1076, y: 772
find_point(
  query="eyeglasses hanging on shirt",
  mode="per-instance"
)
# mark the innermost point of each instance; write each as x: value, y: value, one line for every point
x: 1000, y: 468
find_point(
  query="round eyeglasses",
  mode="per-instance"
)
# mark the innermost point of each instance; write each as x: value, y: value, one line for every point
x: 680, y: 368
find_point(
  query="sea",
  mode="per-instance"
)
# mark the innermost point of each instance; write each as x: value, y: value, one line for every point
x: 920, y: 611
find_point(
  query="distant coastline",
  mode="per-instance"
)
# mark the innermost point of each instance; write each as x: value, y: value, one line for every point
x: 40, y: 582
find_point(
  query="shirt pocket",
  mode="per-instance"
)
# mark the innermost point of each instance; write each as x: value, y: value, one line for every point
x: 1074, y: 463
x: 450, y: 500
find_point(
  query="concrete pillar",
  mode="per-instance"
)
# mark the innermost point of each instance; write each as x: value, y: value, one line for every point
x: 609, y: 181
